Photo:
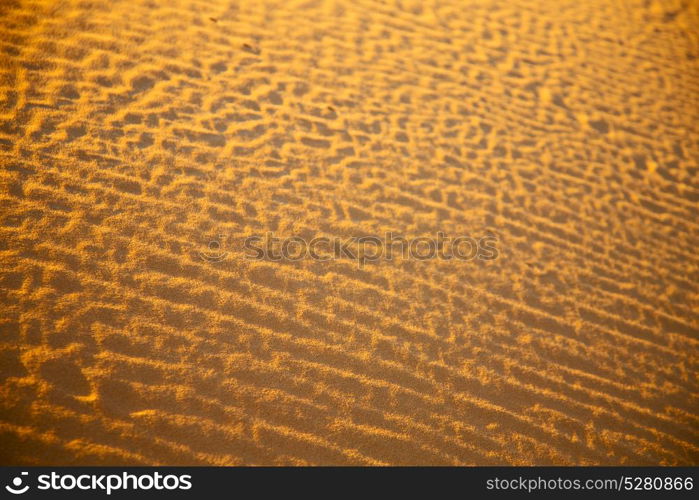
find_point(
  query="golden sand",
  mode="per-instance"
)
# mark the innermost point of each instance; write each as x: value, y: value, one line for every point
x: 134, y: 132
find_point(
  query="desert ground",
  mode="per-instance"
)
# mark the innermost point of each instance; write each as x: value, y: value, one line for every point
x: 141, y: 142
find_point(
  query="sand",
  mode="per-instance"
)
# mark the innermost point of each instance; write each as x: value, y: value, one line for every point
x: 134, y: 133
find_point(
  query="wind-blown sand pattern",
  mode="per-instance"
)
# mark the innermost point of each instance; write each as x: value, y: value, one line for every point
x: 134, y: 132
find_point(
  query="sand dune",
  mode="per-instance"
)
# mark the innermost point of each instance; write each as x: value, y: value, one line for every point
x: 134, y: 133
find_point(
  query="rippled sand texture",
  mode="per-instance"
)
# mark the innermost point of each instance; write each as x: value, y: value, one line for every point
x: 132, y: 133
